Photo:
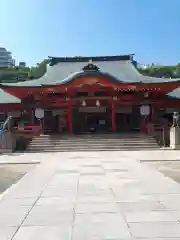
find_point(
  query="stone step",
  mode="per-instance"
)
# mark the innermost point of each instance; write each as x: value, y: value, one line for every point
x: 90, y: 142
x: 92, y: 137
x: 93, y: 144
x: 93, y: 140
x: 89, y: 150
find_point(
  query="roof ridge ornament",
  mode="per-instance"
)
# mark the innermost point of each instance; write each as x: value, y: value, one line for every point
x: 90, y: 66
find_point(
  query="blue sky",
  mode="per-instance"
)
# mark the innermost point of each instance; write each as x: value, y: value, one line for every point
x: 35, y: 29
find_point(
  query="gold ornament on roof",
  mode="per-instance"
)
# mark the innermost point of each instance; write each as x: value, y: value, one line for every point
x: 90, y: 66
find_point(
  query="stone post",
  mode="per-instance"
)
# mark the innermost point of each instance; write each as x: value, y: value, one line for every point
x: 175, y: 137
x: 175, y: 132
x: 7, y: 142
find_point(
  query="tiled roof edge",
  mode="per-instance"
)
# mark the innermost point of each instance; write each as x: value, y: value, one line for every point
x: 55, y: 60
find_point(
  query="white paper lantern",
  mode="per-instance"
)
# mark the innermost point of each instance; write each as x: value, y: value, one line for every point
x: 39, y: 113
x: 83, y: 103
x: 98, y: 103
x: 145, y: 110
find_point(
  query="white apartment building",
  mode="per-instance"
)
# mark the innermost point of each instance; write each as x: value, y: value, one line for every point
x: 6, y: 60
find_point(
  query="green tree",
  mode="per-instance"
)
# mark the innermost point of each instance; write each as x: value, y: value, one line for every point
x: 161, y: 72
x: 177, y: 71
x: 23, y: 74
x: 14, y: 74
x: 39, y: 70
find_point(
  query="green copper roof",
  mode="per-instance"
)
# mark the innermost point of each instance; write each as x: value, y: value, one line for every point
x: 65, y: 70
x: 7, y: 98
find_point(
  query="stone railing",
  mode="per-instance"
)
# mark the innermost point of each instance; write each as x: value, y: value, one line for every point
x: 160, y: 133
x: 28, y: 131
x: 7, y: 141
x: 10, y: 136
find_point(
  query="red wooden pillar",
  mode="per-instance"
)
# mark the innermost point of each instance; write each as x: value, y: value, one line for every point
x: 41, y: 126
x: 153, y: 113
x: 113, y: 117
x: 144, y: 124
x: 70, y: 125
x: 30, y: 116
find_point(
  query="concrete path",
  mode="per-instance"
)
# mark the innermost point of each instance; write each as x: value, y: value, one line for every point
x: 92, y: 196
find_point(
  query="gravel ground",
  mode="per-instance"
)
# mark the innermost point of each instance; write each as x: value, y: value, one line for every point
x: 11, y: 173
x: 170, y: 169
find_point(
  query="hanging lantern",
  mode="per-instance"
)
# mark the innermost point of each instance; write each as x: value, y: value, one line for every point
x: 146, y: 94
x: 145, y: 110
x: 115, y: 98
x: 83, y: 103
x: 98, y: 103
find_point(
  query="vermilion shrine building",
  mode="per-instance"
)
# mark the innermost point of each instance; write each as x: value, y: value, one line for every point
x: 81, y: 94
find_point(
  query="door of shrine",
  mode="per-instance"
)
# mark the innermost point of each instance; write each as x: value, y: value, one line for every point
x: 128, y: 119
x: 91, y: 119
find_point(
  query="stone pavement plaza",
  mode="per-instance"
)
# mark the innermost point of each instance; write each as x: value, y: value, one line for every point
x: 92, y: 196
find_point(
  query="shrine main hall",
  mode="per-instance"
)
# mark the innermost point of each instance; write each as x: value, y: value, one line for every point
x: 90, y: 94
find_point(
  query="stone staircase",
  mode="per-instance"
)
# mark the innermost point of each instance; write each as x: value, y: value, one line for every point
x: 92, y: 142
